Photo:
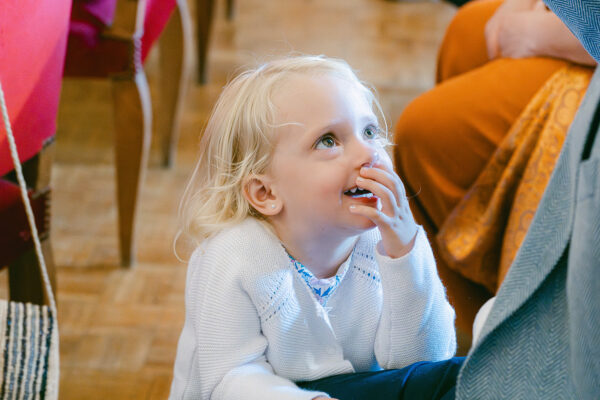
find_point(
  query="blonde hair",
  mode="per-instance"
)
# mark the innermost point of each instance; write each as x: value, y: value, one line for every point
x: 238, y: 141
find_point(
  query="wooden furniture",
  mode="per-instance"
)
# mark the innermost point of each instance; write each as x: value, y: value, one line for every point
x: 32, y: 91
x: 204, y: 16
x: 111, y: 39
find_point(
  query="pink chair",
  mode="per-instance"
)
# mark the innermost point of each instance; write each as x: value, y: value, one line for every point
x: 111, y: 39
x: 32, y: 89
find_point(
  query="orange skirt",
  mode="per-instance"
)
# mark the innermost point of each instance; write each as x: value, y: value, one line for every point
x: 446, y: 137
x: 481, y: 236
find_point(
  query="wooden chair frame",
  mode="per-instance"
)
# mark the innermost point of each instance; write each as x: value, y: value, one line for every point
x: 204, y: 17
x: 24, y: 278
x: 133, y: 107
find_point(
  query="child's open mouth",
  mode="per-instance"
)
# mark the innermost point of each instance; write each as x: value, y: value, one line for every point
x: 356, y: 193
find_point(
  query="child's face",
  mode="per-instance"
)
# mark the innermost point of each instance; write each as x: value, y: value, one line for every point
x: 332, y: 132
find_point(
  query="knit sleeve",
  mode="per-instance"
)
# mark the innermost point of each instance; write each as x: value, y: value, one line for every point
x: 221, y: 352
x: 417, y: 322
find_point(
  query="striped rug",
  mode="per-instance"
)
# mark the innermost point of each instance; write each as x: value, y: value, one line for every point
x: 26, y: 335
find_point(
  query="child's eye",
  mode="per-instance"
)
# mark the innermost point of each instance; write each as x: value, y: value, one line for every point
x: 326, y: 142
x: 371, y: 132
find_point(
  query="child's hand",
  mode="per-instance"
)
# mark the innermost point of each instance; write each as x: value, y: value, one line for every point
x: 392, y: 215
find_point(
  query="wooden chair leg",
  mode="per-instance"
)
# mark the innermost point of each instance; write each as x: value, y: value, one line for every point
x: 174, y: 78
x: 24, y: 278
x: 133, y: 131
x: 204, y: 13
x: 230, y: 10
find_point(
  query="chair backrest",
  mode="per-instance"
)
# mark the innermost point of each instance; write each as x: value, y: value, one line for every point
x: 101, y: 34
x: 33, y: 36
x: 97, y: 12
x: 102, y: 13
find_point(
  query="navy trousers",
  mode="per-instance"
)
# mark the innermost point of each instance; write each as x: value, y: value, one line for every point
x: 420, y: 381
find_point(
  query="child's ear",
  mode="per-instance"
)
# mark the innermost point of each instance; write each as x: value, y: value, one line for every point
x: 260, y: 193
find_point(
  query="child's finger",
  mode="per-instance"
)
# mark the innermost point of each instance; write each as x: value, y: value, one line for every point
x: 375, y: 215
x: 388, y: 179
x: 398, y: 184
x: 385, y: 195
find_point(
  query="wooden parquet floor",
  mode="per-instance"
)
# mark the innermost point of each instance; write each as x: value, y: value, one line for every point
x: 119, y: 327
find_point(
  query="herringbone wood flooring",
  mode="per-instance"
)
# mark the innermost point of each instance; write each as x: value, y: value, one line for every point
x: 119, y: 328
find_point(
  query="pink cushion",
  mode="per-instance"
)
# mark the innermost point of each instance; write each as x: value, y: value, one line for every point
x: 9, y: 194
x: 91, y: 54
x: 158, y: 13
x: 98, y: 12
x: 88, y: 54
x: 33, y: 36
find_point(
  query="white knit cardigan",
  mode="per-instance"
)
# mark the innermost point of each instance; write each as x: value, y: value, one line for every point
x: 253, y: 326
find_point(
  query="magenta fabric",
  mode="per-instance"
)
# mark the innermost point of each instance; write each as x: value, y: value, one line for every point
x: 97, y: 12
x: 9, y: 194
x: 158, y: 13
x: 92, y: 55
x: 33, y: 37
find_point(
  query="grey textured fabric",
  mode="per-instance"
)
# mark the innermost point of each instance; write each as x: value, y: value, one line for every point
x: 541, y: 339
x: 583, y: 18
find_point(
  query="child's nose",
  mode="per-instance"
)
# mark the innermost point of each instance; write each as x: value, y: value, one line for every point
x: 371, y: 158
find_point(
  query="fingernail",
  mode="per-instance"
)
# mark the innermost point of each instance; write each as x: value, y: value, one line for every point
x: 352, y: 207
x: 358, y: 178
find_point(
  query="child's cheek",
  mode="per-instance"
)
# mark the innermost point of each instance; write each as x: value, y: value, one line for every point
x: 387, y: 161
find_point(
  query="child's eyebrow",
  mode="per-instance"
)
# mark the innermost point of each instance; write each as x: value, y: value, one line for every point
x: 326, y: 127
x: 362, y: 121
x: 369, y: 119
x: 335, y: 124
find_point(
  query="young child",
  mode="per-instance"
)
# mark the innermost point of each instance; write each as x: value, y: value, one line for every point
x: 309, y: 263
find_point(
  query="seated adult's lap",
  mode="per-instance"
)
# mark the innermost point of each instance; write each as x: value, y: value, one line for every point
x: 445, y: 137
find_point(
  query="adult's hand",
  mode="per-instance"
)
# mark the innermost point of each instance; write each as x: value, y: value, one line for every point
x: 501, y: 20
x: 535, y: 32
x: 518, y: 35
